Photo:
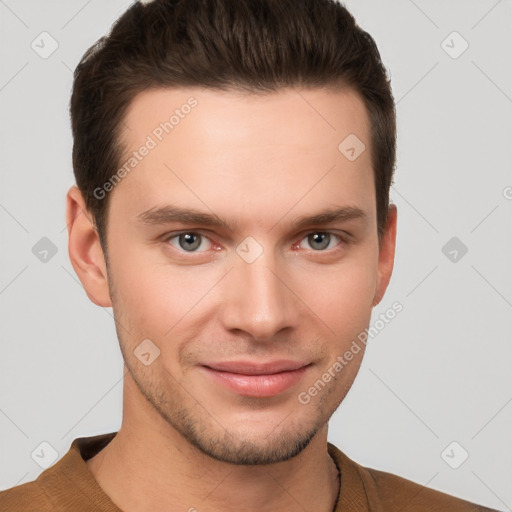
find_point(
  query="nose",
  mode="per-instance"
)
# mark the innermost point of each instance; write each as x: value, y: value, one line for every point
x: 258, y: 298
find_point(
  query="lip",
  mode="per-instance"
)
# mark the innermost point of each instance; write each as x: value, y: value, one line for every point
x: 257, y: 379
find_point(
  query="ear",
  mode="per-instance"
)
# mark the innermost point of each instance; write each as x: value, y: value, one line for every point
x: 85, y: 250
x: 386, y: 255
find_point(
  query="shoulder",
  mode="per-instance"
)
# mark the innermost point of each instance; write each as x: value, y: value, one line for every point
x: 67, y: 485
x: 27, y: 497
x: 384, y: 491
x: 395, y: 491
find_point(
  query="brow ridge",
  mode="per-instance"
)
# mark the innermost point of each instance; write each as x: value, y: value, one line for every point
x: 172, y: 213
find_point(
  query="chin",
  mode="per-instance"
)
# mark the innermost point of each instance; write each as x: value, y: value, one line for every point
x: 233, y: 449
x: 249, y: 439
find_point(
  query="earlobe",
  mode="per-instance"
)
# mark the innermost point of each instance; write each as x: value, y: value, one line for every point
x: 85, y: 251
x: 386, y: 255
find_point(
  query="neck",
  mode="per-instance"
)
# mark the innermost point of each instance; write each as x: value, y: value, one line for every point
x: 149, y: 466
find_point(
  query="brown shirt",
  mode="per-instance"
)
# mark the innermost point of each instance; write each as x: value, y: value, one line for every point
x: 69, y: 486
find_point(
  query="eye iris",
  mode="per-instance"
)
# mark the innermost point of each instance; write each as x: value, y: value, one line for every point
x: 322, y: 238
x: 192, y: 241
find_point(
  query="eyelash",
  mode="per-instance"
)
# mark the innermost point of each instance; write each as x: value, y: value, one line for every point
x: 343, y: 241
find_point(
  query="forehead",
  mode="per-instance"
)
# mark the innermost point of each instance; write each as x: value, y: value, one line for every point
x: 215, y: 114
x: 237, y: 149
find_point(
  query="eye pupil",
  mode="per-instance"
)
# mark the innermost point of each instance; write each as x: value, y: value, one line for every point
x: 191, y: 239
x: 320, y: 238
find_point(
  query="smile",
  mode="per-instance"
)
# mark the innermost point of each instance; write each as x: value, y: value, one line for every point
x: 257, y: 380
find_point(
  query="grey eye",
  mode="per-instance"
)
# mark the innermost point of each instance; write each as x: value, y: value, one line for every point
x: 188, y: 241
x: 319, y: 241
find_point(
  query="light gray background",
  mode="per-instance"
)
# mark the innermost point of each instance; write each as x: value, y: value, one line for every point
x: 439, y: 372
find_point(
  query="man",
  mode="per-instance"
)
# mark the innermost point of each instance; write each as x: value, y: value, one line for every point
x: 233, y: 162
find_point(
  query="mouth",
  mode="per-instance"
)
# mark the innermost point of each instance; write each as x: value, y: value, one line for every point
x: 257, y: 380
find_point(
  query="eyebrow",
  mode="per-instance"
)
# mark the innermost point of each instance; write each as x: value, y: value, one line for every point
x: 171, y: 213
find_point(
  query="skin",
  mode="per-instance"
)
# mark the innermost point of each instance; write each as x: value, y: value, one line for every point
x: 260, y: 161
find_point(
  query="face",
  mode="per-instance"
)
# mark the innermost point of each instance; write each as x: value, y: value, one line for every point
x: 242, y: 245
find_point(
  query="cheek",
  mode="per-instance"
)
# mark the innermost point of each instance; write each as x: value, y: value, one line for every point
x: 157, y: 299
x: 341, y: 295
x: 162, y: 301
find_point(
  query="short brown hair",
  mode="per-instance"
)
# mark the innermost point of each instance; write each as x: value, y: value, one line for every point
x: 248, y: 45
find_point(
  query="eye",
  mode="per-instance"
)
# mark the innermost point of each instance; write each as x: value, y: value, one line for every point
x: 188, y: 241
x: 320, y: 240
x: 194, y: 242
